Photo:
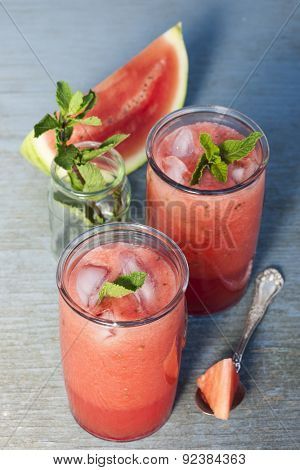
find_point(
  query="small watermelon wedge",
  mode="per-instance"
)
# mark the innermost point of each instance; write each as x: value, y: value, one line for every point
x: 130, y: 101
x: 218, y: 386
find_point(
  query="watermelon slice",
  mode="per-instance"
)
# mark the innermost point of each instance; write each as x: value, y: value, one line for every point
x: 129, y: 101
x: 218, y: 386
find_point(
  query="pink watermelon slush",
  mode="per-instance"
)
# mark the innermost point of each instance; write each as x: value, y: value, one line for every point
x: 216, y: 224
x: 120, y: 377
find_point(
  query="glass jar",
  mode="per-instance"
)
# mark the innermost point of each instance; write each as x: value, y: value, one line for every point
x: 217, y: 229
x: 72, y: 212
x: 121, y: 376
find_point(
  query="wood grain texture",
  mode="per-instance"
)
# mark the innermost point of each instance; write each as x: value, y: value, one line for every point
x: 82, y: 42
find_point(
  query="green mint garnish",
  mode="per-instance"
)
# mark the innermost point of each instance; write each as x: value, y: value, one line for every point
x: 75, y: 103
x: 123, y: 285
x: 46, y: 123
x: 66, y: 156
x: 108, y: 144
x: 92, y: 176
x: 216, y: 158
x: 232, y: 150
x: 63, y: 96
x: 76, y: 181
x: 73, y: 107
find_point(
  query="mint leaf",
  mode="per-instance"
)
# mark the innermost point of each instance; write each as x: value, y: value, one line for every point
x: 91, y: 121
x: 217, y: 158
x: 113, y: 141
x: 108, y: 144
x: 92, y: 176
x: 76, y: 183
x: 98, y: 219
x: 208, y: 145
x: 63, y: 96
x: 75, y: 103
x: 90, y: 154
x: 216, y: 166
x: 88, y: 102
x: 232, y: 150
x: 109, y: 289
x: 123, y: 285
x: 46, y: 123
x: 198, y: 172
x: 67, y: 201
x: 210, y: 157
x: 219, y: 171
x: 132, y: 281
x: 73, y: 108
x: 66, y: 156
x: 68, y: 132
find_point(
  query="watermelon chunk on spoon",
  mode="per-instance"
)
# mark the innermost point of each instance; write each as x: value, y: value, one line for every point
x: 218, y: 386
x: 130, y: 101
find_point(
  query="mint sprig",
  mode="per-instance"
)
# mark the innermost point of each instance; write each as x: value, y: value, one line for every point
x: 216, y: 158
x: 123, y: 285
x: 46, y: 123
x: 108, y: 144
x: 63, y: 96
x: 73, y: 107
x: 92, y: 176
x: 233, y: 150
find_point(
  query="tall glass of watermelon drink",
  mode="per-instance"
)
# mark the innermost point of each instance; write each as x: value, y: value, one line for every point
x: 121, y: 356
x: 215, y: 223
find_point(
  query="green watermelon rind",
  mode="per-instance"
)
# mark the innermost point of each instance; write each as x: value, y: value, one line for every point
x: 40, y: 156
x: 28, y: 150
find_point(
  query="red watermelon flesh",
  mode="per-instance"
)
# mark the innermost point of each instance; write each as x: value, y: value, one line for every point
x: 130, y: 101
x: 218, y: 386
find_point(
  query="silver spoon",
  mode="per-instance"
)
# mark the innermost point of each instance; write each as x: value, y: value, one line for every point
x: 267, y: 285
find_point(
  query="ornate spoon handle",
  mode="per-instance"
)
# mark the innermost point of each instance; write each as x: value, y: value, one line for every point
x: 268, y: 284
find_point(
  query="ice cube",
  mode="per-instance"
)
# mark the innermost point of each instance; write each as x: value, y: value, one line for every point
x: 88, y: 283
x: 183, y: 144
x: 238, y: 174
x: 250, y: 169
x: 107, y: 314
x: 246, y: 169
x: 106, y: 332
x: 144, y: 294
x: 175, y: 169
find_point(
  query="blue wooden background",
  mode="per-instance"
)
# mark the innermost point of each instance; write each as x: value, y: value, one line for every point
x: 243, y: 53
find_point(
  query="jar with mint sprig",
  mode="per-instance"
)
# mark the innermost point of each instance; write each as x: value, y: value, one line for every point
x: 88, y: 184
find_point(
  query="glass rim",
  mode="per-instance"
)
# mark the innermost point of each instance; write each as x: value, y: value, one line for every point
x: 71, y: 248
x: 218, y: 110
x: 87, y: 195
